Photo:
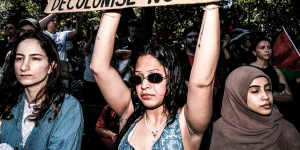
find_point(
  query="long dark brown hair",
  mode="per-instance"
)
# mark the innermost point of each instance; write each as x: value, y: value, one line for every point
x: 11, y: 90
x: 176, y: 93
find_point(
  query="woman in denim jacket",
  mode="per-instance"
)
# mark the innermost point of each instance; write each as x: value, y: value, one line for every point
x: 36, y: 113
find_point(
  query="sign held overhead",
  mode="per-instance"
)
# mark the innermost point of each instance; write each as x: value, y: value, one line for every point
x: 63, y: 6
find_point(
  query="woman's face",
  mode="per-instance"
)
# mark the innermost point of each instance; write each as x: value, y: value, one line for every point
x: 151, y: 94
x: 263, y: 50
x: 260, y: 98
x: 31, y: 64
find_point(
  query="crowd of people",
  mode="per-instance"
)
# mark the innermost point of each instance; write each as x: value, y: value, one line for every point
x: 220, y: 91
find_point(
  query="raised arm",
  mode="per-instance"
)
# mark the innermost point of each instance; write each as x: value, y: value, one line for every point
x: 43, y: 22
x: 108, y: 79
x: 198, y: 109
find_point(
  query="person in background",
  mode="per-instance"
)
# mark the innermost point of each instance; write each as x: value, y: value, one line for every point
x: 60, y: 38
x: 9, y: 40
x: 156, y: 112
x: 6, y: 45
x: 187, y: 55
x: 249, y: 118
x: 11, y: 34
x: 49, y: 23
x: 126, y: 46
x: 261, y: 49
x: 191, y: 36
x: 134, y: 36
x: 35, y: 111
x: 107, y: 127
x: 29, y: 24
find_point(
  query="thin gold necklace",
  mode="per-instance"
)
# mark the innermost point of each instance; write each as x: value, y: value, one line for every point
x: 154, y: 132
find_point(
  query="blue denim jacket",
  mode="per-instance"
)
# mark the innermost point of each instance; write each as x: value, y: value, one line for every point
x: 62, y: 133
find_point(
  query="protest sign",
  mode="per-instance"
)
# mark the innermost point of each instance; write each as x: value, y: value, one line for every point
x: 63, y: 6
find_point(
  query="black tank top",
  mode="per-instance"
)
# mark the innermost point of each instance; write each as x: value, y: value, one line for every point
x: 270, y: 71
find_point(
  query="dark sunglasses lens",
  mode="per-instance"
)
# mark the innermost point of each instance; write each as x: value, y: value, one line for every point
x: 155, y: 78
x: 136, y: 80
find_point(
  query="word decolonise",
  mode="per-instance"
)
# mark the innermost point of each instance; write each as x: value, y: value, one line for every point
x: 64, y: 6
x: 88, y: 4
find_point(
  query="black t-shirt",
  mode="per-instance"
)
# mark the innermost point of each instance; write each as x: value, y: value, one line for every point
x: 271, y: 72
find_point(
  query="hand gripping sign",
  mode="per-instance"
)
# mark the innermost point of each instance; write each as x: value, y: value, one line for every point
x: 63, y: 6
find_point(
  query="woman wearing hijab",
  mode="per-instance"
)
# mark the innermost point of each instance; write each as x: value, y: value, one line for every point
x: 249, y: 118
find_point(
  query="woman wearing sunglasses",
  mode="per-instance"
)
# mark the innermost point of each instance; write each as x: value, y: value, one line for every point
x: 159, y: 112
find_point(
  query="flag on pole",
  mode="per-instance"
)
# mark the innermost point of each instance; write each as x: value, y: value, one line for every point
x: 285, y: 53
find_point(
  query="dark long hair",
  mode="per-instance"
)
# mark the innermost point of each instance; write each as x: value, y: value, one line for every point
x: 11, y: 90
x: 175, y: 96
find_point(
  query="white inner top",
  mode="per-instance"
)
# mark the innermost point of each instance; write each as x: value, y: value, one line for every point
x: 27, y: 125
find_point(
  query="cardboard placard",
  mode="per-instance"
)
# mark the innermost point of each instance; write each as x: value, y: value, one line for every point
x: 63, y: 6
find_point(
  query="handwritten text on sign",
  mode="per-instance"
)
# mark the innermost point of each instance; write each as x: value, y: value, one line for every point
x: 61, y: 6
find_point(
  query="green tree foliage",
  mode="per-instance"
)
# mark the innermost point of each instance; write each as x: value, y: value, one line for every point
x: 266, y: 15
x: 260, y: 15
